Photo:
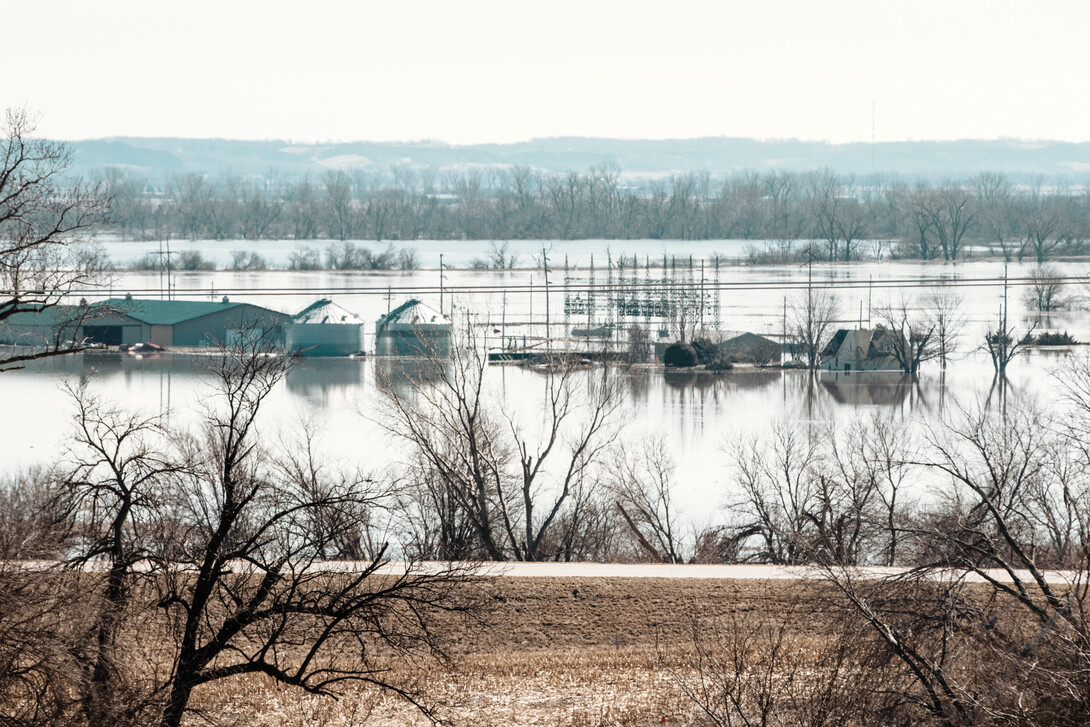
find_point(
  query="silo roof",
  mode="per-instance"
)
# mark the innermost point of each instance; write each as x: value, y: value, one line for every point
x: 327, y: 312
x: 414, y: 313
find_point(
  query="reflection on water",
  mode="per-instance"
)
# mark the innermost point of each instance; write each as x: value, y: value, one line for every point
x: 871, y: 389
x: 319, y: 379
x: 697, y: 411
x: 403, y: 374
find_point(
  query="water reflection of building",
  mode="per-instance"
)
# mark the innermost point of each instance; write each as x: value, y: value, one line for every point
x: 867, y: 389
x: 706, y: 380
x: 317, y: 378
x: 404, y: 374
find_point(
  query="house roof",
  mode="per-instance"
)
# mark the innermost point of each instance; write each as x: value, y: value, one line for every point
x: 327, y: 312
x: 168, y: 312
x: 869, y: 342
x: 835, y: 343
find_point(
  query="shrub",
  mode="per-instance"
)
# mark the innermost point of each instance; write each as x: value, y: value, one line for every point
x: 247, y: 260
x: 1055, y: 339
x: 407, y: 259
x: 706, y: 350
x: 193, y: 260
x: 305, y: 258
x: 680, y: 355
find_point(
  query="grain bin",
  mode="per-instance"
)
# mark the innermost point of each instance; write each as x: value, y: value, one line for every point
x: 323, y: 328
x: 412, y: 329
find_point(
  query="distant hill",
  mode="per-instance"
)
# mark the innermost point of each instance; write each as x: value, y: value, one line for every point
x: 156, y: 157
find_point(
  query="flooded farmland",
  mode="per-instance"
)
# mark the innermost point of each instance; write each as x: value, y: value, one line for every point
x: 698, y: 412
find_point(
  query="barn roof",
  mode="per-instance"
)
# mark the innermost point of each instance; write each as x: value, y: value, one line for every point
x: 170, y: 312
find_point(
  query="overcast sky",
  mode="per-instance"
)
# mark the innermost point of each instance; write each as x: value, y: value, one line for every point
x: 466, y: 72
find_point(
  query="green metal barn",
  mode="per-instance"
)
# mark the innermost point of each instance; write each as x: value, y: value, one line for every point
x: 168, y: 323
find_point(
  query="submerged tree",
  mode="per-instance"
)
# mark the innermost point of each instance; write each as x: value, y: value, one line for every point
x: 1047, y: 290
x: 945, y: 314
x: 811, y: 317
x: 43, y: 221
x: 912, y: 339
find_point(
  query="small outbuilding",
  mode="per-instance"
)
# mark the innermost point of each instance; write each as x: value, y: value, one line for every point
x: 412, y: 329
x: 751, y: 348
x: 323, y: 328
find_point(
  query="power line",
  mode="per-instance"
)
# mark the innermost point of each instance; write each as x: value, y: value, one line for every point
x: 576, y: 287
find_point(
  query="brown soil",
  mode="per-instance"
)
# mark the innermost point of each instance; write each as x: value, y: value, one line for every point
x: 552, y: 651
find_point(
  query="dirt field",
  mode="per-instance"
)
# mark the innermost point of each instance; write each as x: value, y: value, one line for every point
x: 556, y: 651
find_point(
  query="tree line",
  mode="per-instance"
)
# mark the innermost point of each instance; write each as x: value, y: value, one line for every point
x: 850, y: 217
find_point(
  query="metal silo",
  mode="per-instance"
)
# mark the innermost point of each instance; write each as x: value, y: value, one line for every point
x: 412, y: 329
x: 323, y: 328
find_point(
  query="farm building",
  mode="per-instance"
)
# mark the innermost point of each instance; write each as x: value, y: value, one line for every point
x: 323, y: 328
x: 738, y: 347
x: 751, y: 348
x: 860, y: 350
x: 178, y: 322
x: 412, y: 329
x: 131, y: 320
x: 46, y: 328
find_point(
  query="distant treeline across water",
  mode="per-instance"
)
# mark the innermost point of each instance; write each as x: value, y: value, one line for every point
x: 850, y: 217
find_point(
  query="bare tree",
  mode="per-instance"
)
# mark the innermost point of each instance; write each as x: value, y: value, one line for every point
x: 248, y: 593
x: 948, y: 322
x: 513, y: 485
x: 1015, y: 649
x: 44, y: 262
x: 811, y: 319
x: 912, y: 338
x: 776, y: 493
x: 119, y: 465
x: 875, y: 460
x: 1042, y: 218
x: 1047, y: 290
x: 949, y: 211
x: 1002, y: 344
x: 215, y: 559
x: 641, y: 481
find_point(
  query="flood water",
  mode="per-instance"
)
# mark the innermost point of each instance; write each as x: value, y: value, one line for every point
x: 697, y: 412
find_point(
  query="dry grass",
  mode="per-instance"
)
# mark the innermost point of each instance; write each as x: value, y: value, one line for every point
x: 581, y: 652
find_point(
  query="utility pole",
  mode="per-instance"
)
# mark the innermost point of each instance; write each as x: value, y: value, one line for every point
x: 440, y: 283
x: 170, y: 295
x: 701, y: 293
x: 870, y: 298
x: 548, y: 323
x: 811, y: 344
